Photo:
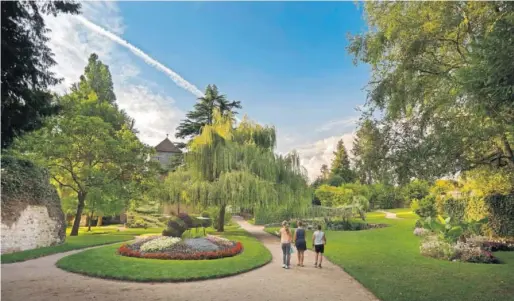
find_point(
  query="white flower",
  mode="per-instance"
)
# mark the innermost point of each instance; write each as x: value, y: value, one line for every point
x: 159, y: 244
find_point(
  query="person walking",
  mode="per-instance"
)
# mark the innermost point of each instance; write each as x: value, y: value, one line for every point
x: 285, y: 242
x: 318, y: 242
x: 300, y: 243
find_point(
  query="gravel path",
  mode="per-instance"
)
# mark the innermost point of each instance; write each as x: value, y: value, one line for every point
x: 390, y: 215
x: 40, y: 280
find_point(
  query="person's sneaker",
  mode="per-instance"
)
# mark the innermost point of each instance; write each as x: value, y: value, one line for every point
x: 316, y: 265
x: 283, y: 266
x: 286, y: 267
x: 319, y: 266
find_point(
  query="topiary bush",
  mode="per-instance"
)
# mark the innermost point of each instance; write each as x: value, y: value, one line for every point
x: 501, y: 214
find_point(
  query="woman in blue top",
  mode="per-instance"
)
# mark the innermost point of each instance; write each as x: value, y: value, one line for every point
x: 300, y: 243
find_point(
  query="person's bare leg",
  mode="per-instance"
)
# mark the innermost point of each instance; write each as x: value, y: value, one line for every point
x: 302, y: 258
x: 299, y: 262
x: 320, y: 259
x: 316, y: 262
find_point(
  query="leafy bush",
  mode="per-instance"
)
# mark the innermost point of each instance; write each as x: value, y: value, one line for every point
x: 501, y: 214
x: 427, y: 207
x: 414, y: 205
x: 476, y: 208
x: 434, y: 247
x: 214, y: 214
x: 417, y: 189
x: 454, y: 208
x: 384, y: 197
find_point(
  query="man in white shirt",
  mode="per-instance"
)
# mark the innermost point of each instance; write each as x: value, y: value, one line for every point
x: 318, y: 241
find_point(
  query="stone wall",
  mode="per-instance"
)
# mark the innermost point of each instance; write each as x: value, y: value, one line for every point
x: 33, y: 229
x: 31, y: 210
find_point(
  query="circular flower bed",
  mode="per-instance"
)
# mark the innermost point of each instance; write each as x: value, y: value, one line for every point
x: 159, y: 247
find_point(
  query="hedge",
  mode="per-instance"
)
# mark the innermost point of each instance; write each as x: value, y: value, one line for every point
x: 501, y: 214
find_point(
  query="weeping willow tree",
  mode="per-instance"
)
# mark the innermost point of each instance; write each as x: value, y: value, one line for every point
x: 237, y: 166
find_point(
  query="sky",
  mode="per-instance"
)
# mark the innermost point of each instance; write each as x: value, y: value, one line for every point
x: 285, y: 61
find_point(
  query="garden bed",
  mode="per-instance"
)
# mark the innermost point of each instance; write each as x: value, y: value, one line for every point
x: 474, y: 249
x: 104, y: 262
x: 172, y: 248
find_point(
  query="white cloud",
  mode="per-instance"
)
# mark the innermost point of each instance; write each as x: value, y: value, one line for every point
x: 72, y: 43
x: 314, y: 154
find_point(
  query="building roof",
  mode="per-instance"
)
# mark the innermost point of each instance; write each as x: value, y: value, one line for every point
x: 166, y: 146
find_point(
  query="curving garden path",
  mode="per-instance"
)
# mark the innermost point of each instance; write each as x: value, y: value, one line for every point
x: 40, y: 280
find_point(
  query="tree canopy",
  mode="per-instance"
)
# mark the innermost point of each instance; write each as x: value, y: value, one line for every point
x: 90, y: 152
x: 445, y: 94
x: 203, y: 112
x: 237, y: 166
x: 26, y: 62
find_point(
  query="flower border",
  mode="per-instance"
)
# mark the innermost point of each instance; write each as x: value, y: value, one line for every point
x: 124, y: 250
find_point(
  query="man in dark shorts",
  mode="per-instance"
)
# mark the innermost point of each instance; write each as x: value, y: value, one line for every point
x: 318, y: 241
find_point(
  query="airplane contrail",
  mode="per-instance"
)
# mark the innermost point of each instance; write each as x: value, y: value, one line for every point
x: 179, y: 80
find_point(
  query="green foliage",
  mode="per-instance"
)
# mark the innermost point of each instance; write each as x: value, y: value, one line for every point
x: 203, y: 112
x: 341, y: 166
x: 442, y: 79
x: 26, y: 75
x: 414, y: 205
x: 455, y: 208
x: 447, y: 231
x: 237, y: 166
x: 100, y: 162
x: 369, y: 150
x: 427, y: 207
x: 384, y: 196
x: 333, y: 196
x: 501, y: 214
x: 416, y: 189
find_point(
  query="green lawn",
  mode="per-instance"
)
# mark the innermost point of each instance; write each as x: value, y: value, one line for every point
x: 98, y: 236
x: 387, y: 262
x: 105, y: 263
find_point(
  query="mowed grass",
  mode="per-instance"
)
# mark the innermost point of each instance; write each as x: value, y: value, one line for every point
x: 388, y: 263
x: 98, y: 236
x: 105, y: 263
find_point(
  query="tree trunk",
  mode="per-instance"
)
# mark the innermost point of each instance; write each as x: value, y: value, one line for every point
x: 221, y: 219
x: 80, y: 207
x: 178, y: 207
x: 90, y: 221
x: 100, y: 221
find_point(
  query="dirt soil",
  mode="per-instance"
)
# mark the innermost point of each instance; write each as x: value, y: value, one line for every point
x: 40, y: 280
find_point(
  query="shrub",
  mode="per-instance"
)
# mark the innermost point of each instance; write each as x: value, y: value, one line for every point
x: 501, y: 214
x: 454, y: 208
x: 417, y: 189
x: 437, y: 248
x: 427, y: 207
x: 177, y: 225
x: 476, y: 208
x: 414, y: 205
x: 421, y: 231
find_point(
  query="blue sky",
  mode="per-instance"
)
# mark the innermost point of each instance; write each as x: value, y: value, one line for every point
x: 285, y: 61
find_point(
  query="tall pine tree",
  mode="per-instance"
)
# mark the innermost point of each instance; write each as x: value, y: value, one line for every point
x: 203, y: 112
x: 341, y: 164
x: 26, y: 62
